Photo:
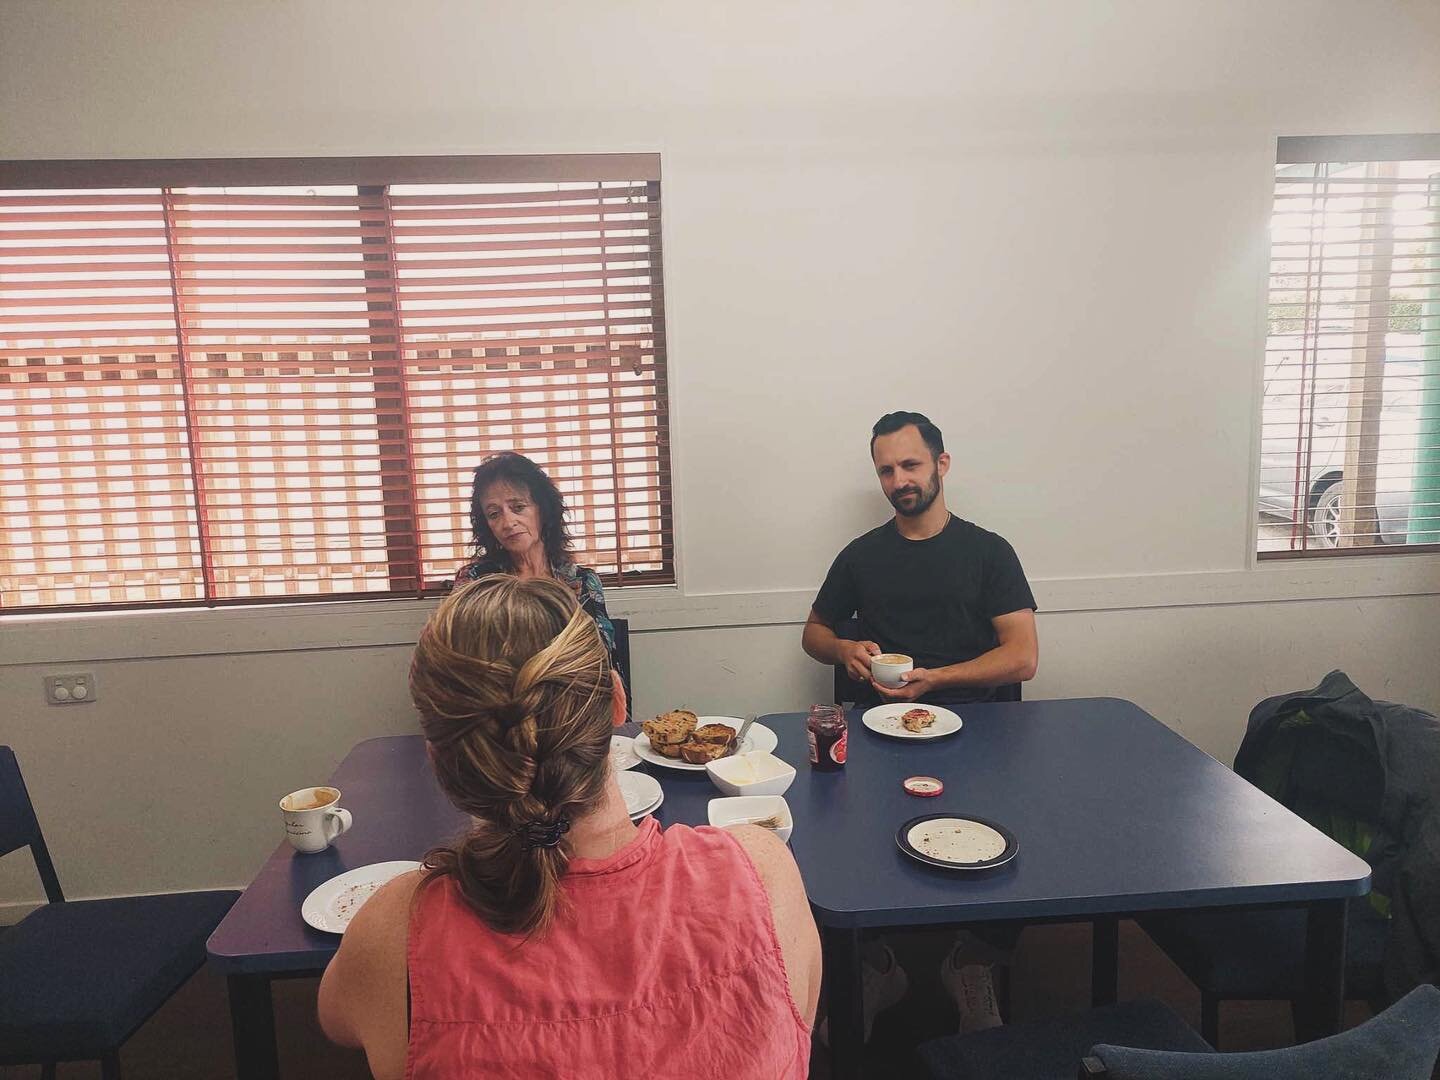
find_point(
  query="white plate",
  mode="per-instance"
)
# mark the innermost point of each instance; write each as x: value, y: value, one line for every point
x: 758, y: 738
x: 638, y: 817
x: 642, y: 792
x: 331, y: 906
x: 885, y: 720
x: 622, y: 753
x: 957, y: 842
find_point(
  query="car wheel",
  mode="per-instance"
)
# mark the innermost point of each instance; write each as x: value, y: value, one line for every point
x: 1325, y: 517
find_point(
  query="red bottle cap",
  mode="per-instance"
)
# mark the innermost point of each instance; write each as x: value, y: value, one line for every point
x: 926, y: 787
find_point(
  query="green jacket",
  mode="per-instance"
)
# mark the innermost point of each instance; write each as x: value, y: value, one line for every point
x: 1366, y: 773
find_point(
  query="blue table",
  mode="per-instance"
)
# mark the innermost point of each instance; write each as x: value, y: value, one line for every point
x: 399, y: 814
x: 1114, y: 814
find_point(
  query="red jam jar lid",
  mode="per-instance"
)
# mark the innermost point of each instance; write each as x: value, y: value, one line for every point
x: 926, y: 787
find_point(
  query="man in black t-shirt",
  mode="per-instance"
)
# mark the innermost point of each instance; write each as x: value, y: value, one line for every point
x: 945, y: 592
x: 953, y: 597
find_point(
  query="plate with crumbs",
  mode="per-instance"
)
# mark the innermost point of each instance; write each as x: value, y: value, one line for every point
x: 954, y: 841
x: 331, y: 906
x: 911, y: 720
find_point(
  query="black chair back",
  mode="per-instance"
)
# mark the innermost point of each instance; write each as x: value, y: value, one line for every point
x: 18, y: 825
x: 847, y: 689
x: 622, y: 659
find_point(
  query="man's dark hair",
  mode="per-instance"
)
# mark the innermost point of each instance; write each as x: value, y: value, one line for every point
x: 520, y: 472
x: 893, y: 422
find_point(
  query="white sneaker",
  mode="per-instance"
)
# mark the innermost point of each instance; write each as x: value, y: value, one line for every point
x: 880, y: 989
x: 973, y: 988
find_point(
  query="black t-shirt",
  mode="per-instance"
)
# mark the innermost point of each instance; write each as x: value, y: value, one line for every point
x: 930, y: 599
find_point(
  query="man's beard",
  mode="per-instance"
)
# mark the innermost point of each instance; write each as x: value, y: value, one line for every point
x: 927, y: 497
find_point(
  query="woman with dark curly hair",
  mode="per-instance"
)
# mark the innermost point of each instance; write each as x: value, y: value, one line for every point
x: 518, y: 516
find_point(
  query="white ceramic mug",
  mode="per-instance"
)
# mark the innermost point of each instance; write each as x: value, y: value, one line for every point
x: 312, y: 818
x: 886, y: 668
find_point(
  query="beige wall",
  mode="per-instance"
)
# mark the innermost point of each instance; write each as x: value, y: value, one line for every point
x: 1043, y: 223
x: 169, y: 780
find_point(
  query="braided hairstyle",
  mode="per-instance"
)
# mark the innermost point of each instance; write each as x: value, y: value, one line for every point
x: 512, y: 682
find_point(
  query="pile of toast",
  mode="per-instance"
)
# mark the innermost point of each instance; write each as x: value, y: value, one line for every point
x: 679, y: 734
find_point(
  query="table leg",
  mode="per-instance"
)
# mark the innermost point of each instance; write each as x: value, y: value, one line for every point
x: 844, y: 1003
x: 1104, y: 960
x: 1322, y: 1012
x: 252, y: 1018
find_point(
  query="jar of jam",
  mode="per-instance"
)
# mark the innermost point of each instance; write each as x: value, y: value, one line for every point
x: 827, y: 733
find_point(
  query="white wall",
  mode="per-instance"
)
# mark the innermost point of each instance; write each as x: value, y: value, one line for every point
x: 1042, y: 223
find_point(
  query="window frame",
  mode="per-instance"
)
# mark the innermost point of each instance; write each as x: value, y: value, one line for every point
x: 372, y: 177
x: 1318, y: 150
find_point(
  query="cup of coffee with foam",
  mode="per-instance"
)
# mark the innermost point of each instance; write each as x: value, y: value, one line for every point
x: 314, y: 818
x: 886, y: 668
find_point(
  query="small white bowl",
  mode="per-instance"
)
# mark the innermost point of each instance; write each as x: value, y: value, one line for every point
x: 755, y: 773
x: 747, y: 808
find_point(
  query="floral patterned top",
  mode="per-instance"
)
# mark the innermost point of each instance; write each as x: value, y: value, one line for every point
x: 584, y: 581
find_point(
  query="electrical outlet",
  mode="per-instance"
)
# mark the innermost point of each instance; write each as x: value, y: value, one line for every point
x: 70, y: 689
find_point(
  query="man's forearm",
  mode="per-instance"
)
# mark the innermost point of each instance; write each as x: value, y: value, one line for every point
x: 820, y: 642
x: 1000, y: 666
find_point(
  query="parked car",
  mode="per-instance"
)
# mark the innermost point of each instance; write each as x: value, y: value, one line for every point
x: 1322, y: 408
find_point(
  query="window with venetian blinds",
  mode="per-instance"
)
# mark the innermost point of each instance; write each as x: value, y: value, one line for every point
x: 270, y: 379
x: 1350, y: 426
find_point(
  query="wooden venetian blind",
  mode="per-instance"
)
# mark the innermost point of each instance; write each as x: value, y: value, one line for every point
x: 279, y: 390
x: 1350, y: 435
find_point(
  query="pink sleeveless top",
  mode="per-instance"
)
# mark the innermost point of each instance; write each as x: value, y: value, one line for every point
x: 663, y: 962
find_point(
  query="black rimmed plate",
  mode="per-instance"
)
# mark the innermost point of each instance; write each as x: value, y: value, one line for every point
x: 954, y: 841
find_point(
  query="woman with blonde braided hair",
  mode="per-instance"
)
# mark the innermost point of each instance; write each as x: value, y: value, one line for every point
x: 555, y: 938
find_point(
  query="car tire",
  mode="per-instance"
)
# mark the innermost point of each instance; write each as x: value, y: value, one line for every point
x: 1325, y: 516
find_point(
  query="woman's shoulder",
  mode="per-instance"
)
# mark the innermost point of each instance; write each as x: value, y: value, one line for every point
x: 567, y: 569
x: 764, y: 851
x: 582, y: 579
x: 589, y: 581
x: 768, y: 854
x: 364, y: 984
x: 383, y: 921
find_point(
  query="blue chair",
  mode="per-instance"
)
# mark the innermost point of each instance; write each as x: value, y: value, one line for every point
x: 1400, y: 1043
x: 1145, y: 1040
x: 1053, y: 1049
x: 77, y: 978
x: 1260, y: 955
x: 622, y: 659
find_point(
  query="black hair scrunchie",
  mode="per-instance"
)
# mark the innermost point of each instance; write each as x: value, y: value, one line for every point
x: 535, y: 834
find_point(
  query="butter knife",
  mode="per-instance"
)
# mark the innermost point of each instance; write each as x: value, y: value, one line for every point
x: 740, y: 737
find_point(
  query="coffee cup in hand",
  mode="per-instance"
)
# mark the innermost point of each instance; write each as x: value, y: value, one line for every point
x: 314, y: 818
x: 886, y: 669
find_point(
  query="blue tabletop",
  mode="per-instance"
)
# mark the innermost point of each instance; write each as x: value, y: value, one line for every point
x: 1113, y: 813
x: 399, y: 814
